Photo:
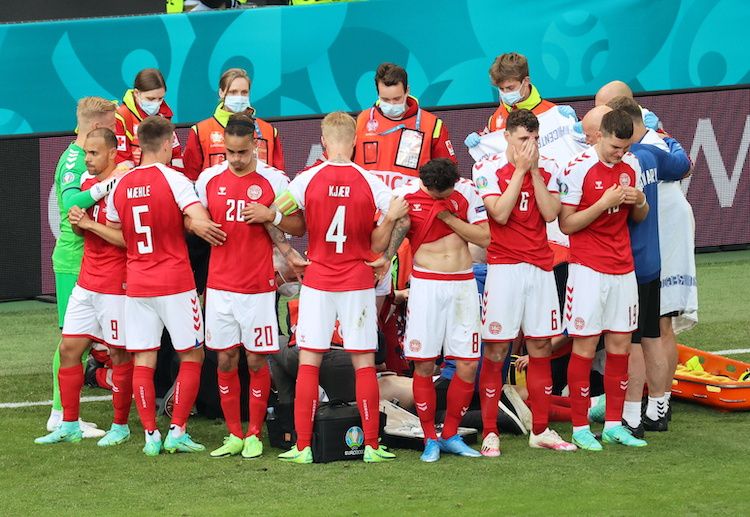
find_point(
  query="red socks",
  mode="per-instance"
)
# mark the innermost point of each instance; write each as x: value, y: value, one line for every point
x: 425, y: 400
x: 539, y: 384
x: 260, y: 387
x: 579, y: 372
x: 229, y: 395
x: 71, y: 382
x: 145, y: 396
x: 490, y: 385
x: 305, y: 403
x: 459, y: 398
x: 122, y: 391
x: 185, y: 391
x: 368, y: 402
x: 615, y: 385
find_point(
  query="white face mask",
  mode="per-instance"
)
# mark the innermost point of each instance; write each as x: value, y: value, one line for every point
x: 510, y: 98
x: 150, y: 107
x: 236, y: 103
x: 392, y: 110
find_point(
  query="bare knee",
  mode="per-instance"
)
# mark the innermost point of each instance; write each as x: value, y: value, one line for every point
x: 255, y: 361
x: 227, y: 360
x: 119, y: 356
x: 494, y: 352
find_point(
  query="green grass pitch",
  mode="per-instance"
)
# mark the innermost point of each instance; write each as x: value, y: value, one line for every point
x: 700, y: 467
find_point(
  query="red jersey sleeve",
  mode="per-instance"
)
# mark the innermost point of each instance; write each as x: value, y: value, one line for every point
x: 192, y: 158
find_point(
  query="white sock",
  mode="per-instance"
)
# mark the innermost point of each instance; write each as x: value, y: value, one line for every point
x: 656, y: 408
x: 154, y: 436
x: 593, y: 401
x: 176, y: 431
x: 631, y: 413
x: 668, y: 397
x: 577, y: 428
x: 608, y: 424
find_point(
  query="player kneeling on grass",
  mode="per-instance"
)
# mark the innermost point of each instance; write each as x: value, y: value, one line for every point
x: 600, y: 191
x: 339, y: 200
x: 149, y: 204
x: 97, y: 303
x: 241, y: 301
x: 520, y: 191
x: 445, y: 214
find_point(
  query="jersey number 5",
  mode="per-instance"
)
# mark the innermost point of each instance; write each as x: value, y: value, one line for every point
x: 335, y: 232
x: 146, y: 245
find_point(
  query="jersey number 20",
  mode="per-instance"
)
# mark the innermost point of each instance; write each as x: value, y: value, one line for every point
x: 146, y: 245
x: 335, y: 232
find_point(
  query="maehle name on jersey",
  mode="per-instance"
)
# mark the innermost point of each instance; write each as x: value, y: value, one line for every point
x: 136, y: 192
x: 338, y: 190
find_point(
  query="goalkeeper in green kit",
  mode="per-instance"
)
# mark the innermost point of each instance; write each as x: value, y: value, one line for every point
x: 92, y: 113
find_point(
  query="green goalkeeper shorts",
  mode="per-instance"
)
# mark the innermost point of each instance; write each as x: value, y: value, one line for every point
x: 64, y: 284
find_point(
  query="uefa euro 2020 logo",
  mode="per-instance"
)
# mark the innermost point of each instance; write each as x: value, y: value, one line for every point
x: 354, y: 437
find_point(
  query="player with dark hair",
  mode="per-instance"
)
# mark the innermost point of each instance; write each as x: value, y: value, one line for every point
x: 521, y: 193
x: 601, y: 190
x: 241, y: 303
x: 149, y: 204
x: 445, y: 214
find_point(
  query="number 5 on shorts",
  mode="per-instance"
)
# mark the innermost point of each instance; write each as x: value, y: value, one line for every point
x: 335, y: 232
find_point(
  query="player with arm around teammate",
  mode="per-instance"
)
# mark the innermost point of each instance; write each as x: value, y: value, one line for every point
x: 148, y: 204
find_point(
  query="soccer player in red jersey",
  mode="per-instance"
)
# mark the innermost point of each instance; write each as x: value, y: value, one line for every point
x: 445, y: 214
x: 600, y: 190
x: 520, y: 192
x: 148, y: 204
x: 339, y: 200
x: 97, y: 303
x: 241, y: 302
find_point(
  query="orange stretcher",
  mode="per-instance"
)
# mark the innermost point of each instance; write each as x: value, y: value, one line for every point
x: 717, y: 385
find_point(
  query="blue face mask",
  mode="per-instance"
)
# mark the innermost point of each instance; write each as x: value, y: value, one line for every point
x: 392, y: 110
x: 236, y: 103
x: 510, y: 98
x: 150, y: 108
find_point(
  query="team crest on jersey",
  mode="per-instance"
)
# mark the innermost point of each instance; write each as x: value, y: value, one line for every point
x: 482, y: 183
x: 254, y: 192
x: 372, y: 125
x: 495, y: 328
x: 624, y: 180
x: 415, y: 345
x: 579, y: 323
x: 216, y: 137
x: 68, y: 177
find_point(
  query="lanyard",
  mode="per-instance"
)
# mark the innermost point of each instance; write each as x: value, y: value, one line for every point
x: 398, y: 127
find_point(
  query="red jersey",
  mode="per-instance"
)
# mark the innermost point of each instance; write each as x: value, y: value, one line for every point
x: 103, y: 265
x: 244, y: 263
x: 149, y: 201
x: 340, y: 201
x: 523, y: 238
x: 464, y: 202
x: 604, y: 245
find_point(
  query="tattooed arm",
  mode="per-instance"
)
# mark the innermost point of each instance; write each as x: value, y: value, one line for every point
x: 292, y: 256
x: 400, y: 229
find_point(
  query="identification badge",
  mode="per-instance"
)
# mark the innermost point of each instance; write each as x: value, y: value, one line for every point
x: 409, y: 148
x: 371, y: 152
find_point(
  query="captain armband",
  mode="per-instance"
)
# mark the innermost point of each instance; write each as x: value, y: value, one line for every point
x: 286, y: 203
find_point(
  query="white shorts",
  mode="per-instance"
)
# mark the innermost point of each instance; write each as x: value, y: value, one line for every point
x: 97, y: 316
x: 180, y: 313
x: 519, y: 296
x: 596, y: 303
x: 442, y: 316
x: 234, y: 319
x: 355, y: 311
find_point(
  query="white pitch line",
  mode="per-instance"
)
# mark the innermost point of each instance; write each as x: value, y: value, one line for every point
x: 14, y: 405
x: 732, y: 351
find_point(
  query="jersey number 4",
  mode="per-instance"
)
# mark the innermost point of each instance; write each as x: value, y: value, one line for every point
x: 146, y: 245
x: 335, y: 232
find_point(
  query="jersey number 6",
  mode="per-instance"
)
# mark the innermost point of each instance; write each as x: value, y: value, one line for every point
x: 335, y: 232
x: 145, y: 246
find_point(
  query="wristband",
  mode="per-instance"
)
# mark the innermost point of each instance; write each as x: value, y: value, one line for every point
x: 641, y: 205
x: 277, y: 218
x: 101, y: 189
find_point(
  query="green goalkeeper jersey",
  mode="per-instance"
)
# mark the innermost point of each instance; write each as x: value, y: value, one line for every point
x: 66, y: 258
